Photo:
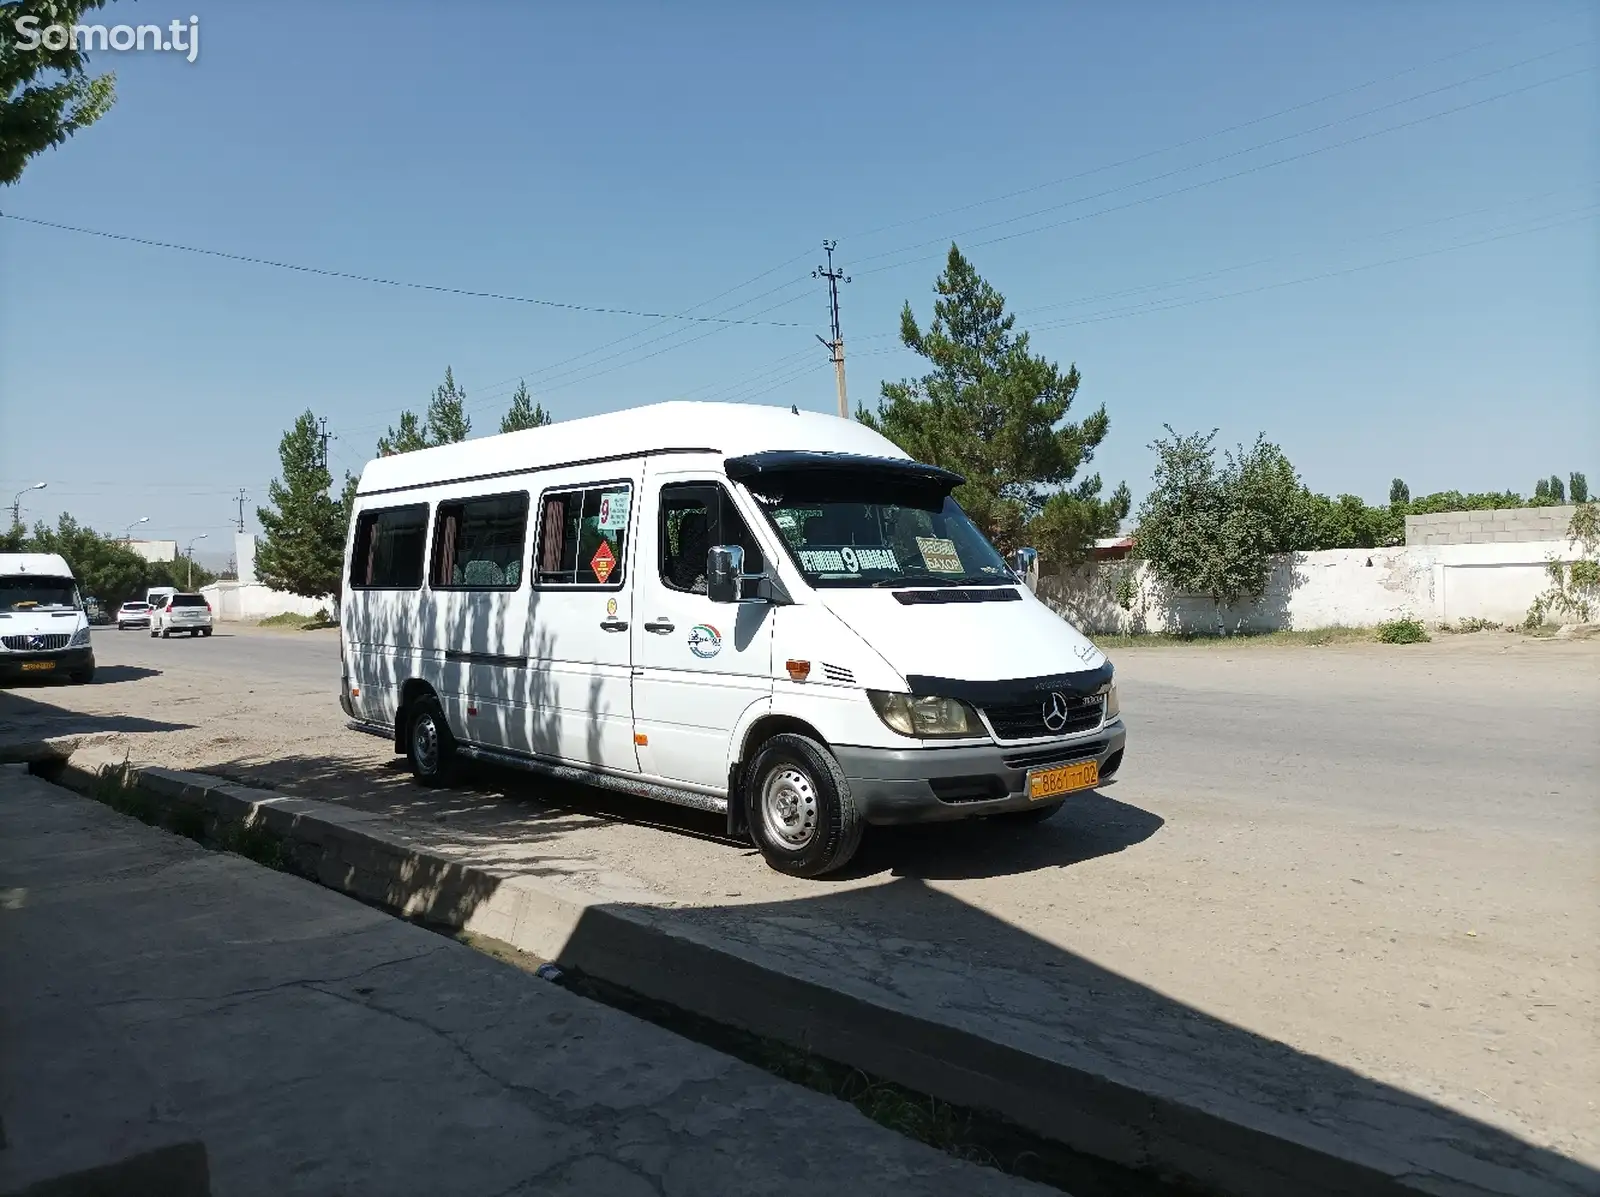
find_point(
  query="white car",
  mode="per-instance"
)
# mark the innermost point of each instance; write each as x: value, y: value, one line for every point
x: 133, y: 615
x: 182, y: 613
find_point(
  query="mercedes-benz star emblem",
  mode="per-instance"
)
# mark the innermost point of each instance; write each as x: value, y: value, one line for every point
x: 1055, y: 711
x: 36, y: 642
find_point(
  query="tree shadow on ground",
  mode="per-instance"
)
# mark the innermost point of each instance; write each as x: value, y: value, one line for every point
x: 27, y: 715
x: 909, y: 983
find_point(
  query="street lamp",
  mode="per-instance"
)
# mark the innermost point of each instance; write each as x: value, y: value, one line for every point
x: 16, y: 503
x: 189, y: 553
x: 127, y: 534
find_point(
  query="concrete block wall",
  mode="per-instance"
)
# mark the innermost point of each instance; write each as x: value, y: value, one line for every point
x: 1497, y: 526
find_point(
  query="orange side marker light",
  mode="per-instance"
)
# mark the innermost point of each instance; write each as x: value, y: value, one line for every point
x: 798, y: 670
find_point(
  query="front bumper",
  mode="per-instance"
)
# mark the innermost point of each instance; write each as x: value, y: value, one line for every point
x: 58, y: 663
x: 932, y: 784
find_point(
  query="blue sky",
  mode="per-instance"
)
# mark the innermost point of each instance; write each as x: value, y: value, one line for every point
x: 1421, y: 301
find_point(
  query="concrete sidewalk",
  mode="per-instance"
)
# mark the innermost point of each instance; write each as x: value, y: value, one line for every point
x: 198, y: 1024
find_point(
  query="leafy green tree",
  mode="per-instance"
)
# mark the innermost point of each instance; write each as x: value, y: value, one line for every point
x: 178, y: 573
x: 447, y: 413
x: 104, y: 567
x: 46, y: 95
x: 302, y: 550
x: 1399, y: 493
x: 1558, y: 488
x: 1212, y: 530
x: 992, y: 411
x: 524, y: 413
x: 1541, y: 493
x: 409, y: 437
x: 1578, y: 487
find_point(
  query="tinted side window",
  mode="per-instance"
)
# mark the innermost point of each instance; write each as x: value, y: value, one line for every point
x: 583, y: 535
x: 388, y: 548
x: 478, y: 543
x: 694, y: 517
x: 188, y: 600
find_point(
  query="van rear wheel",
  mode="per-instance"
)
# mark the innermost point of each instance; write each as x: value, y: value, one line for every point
x: 430, y: 748
x: 799, y: 807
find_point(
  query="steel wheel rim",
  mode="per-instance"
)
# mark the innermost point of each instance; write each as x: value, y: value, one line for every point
x: 425, y: 744
x: 790, y: 807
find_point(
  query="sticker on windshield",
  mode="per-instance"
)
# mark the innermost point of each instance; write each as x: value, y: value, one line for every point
x: 877, y: 559
x: 822, y: 561
x: 614, y: 510
x: 939, y: 555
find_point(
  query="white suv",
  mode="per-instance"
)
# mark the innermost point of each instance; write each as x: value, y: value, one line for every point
x: 182, y: 613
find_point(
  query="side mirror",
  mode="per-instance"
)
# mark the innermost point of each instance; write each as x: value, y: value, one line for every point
x: 724, y: 573
x: 1025, y: 564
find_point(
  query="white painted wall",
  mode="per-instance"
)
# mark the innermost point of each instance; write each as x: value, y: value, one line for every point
x: 1334, y: 588
x: 237, y: 601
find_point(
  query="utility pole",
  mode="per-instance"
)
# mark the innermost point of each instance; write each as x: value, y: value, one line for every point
x: 835, y: 347
x: 242, y: 500
x: 324, y: 436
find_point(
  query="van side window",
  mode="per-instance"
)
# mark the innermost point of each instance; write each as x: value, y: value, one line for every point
x: 387, y: 554
x: 694, y: 517
x: 583, y: 535
x: 478, y: 543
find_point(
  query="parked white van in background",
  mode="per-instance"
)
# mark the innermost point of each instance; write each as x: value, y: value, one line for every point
x: 770, y: 614
x: 44, y: 631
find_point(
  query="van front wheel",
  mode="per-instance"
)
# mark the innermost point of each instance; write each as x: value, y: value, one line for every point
x: 430, y: 748
x: 799, y: 807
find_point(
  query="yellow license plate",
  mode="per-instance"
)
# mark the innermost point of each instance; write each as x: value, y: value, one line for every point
x: 34, y: 666
x: 1063, y: 779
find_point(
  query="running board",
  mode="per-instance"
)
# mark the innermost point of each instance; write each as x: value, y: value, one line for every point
x: 371, y: 729
x: 714, y: 803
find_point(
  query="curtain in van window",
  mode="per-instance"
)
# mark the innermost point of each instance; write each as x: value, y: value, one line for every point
x: 447, y: 533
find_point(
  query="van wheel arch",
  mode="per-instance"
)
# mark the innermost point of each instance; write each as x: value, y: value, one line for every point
x: 762, y: 730
x: 410, y: 692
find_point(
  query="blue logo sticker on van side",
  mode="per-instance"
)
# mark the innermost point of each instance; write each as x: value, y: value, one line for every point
x: 705, y: 641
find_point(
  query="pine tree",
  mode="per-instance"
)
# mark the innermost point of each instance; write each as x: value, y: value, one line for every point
x: 524, y: 413
x: 992, y: 411
x: 303, y: 547
x: 410, y: 436
x: 1399, y: 493
x: 447, y: 420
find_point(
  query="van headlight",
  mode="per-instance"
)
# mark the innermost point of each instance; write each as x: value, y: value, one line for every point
x: 1113, y: 707
x: 80, y: 638
x: 924, y: 717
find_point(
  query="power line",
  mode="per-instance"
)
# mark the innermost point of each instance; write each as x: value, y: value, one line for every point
x: 1164, y: 306
x: 1359, y: 87
x: 1220, y: 178
x: 323, y: 272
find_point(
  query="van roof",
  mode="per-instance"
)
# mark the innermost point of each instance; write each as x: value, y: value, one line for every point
x: 47, y: 564
x: 726, y: 429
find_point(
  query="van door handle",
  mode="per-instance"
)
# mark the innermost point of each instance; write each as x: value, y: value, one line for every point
x: 614, y: 625
x: 662, y: 625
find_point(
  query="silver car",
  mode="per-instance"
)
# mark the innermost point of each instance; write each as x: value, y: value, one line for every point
x: 133, y: 615
x: 182, y: 613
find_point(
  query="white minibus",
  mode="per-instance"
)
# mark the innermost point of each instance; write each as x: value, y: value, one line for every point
x: 44, y: 630
x: 773, y: 615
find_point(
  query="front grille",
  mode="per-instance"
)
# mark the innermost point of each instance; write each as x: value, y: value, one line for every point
x: 1027, y: 720
x: 39, y: 643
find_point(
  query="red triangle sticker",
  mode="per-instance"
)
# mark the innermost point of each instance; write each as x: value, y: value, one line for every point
x: 603, y: 562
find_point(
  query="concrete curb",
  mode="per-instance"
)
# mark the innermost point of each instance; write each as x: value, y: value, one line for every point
x: 356, y: 854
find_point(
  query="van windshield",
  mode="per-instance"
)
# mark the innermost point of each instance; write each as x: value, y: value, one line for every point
x: 895, y: 542
x: 33, y: 592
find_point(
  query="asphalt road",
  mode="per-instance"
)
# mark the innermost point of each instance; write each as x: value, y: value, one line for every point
x: 1473, y: 733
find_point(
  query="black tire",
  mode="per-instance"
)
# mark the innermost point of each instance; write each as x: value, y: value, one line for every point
x: 154, y: 631
x: 435, y: 766
x: 193, y: 632
x: 166, y: 633
x: 205, y: 631
x: 1033, y: 814
x: 799, y: 807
